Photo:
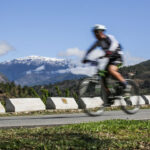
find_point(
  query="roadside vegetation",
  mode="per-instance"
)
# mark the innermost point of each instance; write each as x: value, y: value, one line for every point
x: 11, y: 90
x: 112, y: 134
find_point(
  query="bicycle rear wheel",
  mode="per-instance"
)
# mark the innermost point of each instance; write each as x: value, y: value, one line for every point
x: 90, y: 93
x: 130, y: 103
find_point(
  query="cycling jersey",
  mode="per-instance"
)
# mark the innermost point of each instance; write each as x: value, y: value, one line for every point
x: 108, y: 43
x: 111, y: 47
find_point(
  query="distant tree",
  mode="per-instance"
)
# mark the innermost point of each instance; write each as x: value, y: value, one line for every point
x: 12, y: 84
x: 44, y: 95
x: 58, y: 91
x: 67, y: 92
x: 32, y: 92
x: 24, y: 91
x: 13, y: 91
x: 19, y: 91
x: 75, y: 95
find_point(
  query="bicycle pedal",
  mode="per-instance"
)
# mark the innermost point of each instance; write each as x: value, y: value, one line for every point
x: 111, y: 98
x: 127, y: 95
x: 108, y: 104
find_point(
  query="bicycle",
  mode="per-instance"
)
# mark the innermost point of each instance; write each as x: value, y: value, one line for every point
x: 95, y: 90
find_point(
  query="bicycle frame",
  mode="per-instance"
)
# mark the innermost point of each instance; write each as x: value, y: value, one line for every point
x: 117, y: 92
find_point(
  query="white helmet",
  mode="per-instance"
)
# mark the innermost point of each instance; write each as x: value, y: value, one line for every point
x: 99, y: 27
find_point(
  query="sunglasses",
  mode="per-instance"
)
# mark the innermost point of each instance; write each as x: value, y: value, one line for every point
x: 97, y: 31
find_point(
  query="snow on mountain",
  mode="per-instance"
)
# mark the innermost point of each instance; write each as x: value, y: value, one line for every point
x: 41, y: 68
x: 35, y: 59
x: 33, y: 70
x: 37, y: 70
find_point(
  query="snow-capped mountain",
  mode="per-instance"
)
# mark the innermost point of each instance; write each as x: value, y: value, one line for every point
x: 35, y: 60
x: 34, y: 70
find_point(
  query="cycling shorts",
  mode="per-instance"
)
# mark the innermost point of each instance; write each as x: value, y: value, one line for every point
x: 115, y: 59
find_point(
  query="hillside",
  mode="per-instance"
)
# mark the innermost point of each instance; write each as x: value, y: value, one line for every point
x: 3, y: 78
x: 140, y: 73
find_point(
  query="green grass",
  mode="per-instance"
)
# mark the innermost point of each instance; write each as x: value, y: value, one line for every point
x: 105, y: 135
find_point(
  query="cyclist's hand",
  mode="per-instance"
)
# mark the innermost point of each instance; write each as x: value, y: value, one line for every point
x: 108, y: 53
x: 84, y: 61
x: 94, y: 63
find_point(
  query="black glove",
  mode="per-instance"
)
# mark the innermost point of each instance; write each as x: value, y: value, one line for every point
x: 108, y: 53
x: 84, y: 61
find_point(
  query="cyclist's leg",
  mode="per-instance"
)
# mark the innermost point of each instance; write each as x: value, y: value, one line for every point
x: 113, y: 64
x: 113, y: 70
x: 105, y: 85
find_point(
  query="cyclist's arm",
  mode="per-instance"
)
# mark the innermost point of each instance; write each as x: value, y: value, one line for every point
x: 91, y: 48
x: 89, y: 51
x: 114, y: 43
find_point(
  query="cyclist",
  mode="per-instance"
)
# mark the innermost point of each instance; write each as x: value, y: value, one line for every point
x: 112, y: 50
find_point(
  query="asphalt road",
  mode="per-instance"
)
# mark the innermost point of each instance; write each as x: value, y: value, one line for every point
x: 61, y: 119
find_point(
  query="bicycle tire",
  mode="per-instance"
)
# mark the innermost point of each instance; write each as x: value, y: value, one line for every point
x: 88, y: 90
x: 131, y: 104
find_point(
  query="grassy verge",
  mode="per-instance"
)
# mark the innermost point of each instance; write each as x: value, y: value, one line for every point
x: 113, y: 134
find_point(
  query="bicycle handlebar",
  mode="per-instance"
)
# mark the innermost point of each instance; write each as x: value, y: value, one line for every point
x: 92, y: 62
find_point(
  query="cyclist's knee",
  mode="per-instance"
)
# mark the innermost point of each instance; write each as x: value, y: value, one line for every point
x: 112, y: 69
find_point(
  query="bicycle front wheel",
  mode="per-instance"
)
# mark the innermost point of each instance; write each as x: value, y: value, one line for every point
x: 131, y: 100
x: 90, y: 93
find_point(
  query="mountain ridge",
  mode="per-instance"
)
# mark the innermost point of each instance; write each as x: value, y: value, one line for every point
x: 37, y: 69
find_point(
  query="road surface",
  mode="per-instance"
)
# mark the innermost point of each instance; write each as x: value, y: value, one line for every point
x: 61, y: 119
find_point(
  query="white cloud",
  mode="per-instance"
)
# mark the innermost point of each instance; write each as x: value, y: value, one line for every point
x: 80, y: 53
x: 5, y: 47
x: 132, y: 60
x: 82, y: 70
x: 89, y: 70
x: 95, y: 54
x: 72, y: 52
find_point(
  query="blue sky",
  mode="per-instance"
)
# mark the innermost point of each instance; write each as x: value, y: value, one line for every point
x: 51, y: 27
